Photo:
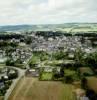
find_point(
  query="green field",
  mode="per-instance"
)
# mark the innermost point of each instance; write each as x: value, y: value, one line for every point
x: 72, y: 73
x: 46, y: 76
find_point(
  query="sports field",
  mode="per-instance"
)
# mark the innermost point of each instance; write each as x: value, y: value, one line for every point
x: 32, y: 89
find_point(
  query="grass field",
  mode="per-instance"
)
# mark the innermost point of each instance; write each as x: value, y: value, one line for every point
x: 32, y: 89
x: 46, y: 76
x: 71, y: 73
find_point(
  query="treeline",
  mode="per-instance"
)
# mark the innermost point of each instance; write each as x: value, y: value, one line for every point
x: 6, y: 43
x: 86, y: 34
x: 10, y: 36
x: 51, y: 33
x: 59, y: 33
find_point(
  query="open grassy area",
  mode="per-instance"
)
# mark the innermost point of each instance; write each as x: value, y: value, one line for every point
x: 2, y: 65
x: 71, y: 73
x: 46, y: 76
x: 32, y: 89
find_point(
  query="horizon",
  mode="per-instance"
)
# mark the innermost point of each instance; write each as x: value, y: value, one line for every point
x: 49, y: 24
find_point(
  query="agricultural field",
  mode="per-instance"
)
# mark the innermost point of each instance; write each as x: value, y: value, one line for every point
x: 86, y: 71
x: 83, y: 29
x: 92, y: 83
x: 1, y: 98
x: 68, y: 29
x: 79, y: 28
x: 32, y: 89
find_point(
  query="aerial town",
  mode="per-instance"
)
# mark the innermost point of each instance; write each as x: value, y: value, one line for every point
x: 48, y: 49
x: 65, y: 62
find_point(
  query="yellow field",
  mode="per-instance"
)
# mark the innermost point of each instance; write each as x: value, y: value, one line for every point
x: 92, y: 83
x: 32, y: 89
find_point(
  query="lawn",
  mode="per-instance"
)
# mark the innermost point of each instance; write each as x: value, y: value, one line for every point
x: 46, y: 76
x: 32, y: 89
x: 54, y: 63
x: 71, y: 73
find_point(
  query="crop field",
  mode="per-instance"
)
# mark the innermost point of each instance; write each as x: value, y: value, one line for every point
x: 32, y: 89
x: 1, y: 98
x: 82, y: 28
x: 65, y: 29
x: 87, y: 71
x: 92, y: 83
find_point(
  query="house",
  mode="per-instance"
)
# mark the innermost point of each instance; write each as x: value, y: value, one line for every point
x: 48, y: 69
x: 80, y: 94
x: 2, y: 85
x: 71, y: 55
x: 32, y: 73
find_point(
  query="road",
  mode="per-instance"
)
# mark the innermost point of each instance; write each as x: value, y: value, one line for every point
x: 21, y: 73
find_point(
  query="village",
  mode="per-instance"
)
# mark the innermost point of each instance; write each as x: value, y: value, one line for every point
x: 53, y: 57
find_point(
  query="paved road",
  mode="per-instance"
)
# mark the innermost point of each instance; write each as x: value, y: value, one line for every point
x: 20, y: 74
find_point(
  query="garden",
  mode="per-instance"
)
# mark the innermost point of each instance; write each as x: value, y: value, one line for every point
x: 46, y: 76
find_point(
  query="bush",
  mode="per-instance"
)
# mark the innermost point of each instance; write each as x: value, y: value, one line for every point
x: 10, y: 62
x: 68, y: 79
x: 84, y: 83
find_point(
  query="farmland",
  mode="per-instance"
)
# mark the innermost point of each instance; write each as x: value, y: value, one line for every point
x: 1, y: 98
x: 61, y: 61
x: 92, y: 83
x: 32, y: 89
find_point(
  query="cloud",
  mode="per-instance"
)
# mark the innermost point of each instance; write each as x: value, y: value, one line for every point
x: 47, y: 11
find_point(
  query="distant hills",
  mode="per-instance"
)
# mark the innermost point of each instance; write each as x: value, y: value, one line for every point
x: 16, y: 28
x: 45, y: 27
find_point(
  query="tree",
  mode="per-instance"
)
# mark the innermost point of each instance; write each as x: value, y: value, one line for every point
x: 79, y: 57
x: 84, y: 83
x: 91, y: 60
x: 28, y: 40
x: 9, y: 62
x: 62, y: 72
x: 91, y: 94
x: 68, y: 79
x: 56, y: 75
x: 59, y: 55
x: 13, y: 44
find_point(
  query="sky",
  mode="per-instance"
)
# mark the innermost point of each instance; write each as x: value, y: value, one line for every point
x: 14, y: 12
